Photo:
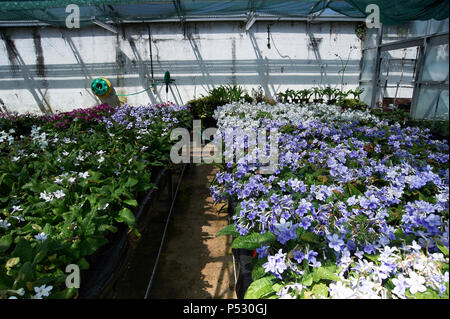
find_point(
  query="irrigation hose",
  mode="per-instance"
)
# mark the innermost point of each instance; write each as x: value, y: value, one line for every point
x: 139, y: 91
x: 147, y: 292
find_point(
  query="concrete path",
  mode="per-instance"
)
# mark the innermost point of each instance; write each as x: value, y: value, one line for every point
x: 195, y: 263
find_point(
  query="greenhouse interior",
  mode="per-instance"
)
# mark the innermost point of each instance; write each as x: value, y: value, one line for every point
x: 204, y: 149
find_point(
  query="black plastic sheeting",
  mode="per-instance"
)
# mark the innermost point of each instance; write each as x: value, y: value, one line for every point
x: 107, y: 262
x: 242, y: 258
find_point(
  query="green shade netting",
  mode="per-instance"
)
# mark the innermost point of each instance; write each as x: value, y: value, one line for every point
x: 399, y: 12
x: 53, y: 12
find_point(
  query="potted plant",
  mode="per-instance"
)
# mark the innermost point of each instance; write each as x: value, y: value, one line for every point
x: 329, y: 92
x: 318, y: 92
x: 305, y: 94
x: 356, y: 93
x: 341, y: 95
x: 296, y: 96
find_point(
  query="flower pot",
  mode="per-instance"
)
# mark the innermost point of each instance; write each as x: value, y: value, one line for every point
x: 331, y: 102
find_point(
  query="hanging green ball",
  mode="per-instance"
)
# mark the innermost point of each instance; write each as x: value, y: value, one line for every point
x: 101, y: 87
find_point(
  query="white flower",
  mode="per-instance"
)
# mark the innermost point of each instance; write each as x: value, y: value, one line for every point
x: 41, y: 236
x: 16, y: 209
x: 71, y: 180
x: 42, y: 291
x: 416, y: 283
x: 58, y: 181
x: 19, y: 218
x: 101, y: 159
x: 65, y: 153
x: 46, y: 196
x: 101, y: 152
x: 15, y: 158
x: 59, y: 194
x: 4, y: 223
x: 83, y: 175
x: 340, y: 291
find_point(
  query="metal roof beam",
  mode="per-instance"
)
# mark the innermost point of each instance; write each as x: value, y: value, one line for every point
x: 107, y: 26
x: 251, y: 19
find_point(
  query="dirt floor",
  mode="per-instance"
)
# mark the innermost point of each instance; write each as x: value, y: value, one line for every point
x: 194, y: 263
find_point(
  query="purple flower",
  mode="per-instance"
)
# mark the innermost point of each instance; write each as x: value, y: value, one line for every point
x: 335, y: 242
x: 299, y: 256
x: 262, y: 252
x: 311, y: 258
x: 276, y: 264
x: 284, y: 231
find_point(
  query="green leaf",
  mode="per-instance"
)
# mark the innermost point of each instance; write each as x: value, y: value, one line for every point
x: 131, y: 202
x: 372, y: 257
x: 26, y: 273
x: 127, y: 216
x: 310, y: 238
x: 41, y: 252
x: 320, y: 290
x: 307, y: 280
x: 260, y: 288
x: 253, y: 240
x: 258, y: 270
x: 12, y: 262
x: 5, y: 242
x: 131, y: 182
x: 23, y: 250
x: 83, y: 264
x: 442, y: 248
x: 353, y: 190
x: 428, y: 294
x: 325, y: 273
x: 228, y: 230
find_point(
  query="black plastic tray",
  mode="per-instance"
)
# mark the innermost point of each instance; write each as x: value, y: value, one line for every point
x: 242, y: 259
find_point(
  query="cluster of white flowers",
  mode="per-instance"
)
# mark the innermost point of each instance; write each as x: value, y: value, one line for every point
x: 7, y: 137
x: 244, y: 115
x: 411, y: 271
x: 38, y: 137
x: 71, y: 177
x: 48, y: 197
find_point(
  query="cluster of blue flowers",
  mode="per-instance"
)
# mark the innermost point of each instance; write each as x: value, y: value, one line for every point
x: 359, y: 187
x: 144, y: 116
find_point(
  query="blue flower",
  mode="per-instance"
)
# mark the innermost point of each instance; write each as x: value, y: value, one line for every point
x: 335, y: 242
x: 284, y: 231
x: 299, y: 256
x: 276, y: 264
x: 262, y: 252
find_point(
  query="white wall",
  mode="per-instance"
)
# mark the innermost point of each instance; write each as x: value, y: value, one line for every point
x: 52, y: 68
